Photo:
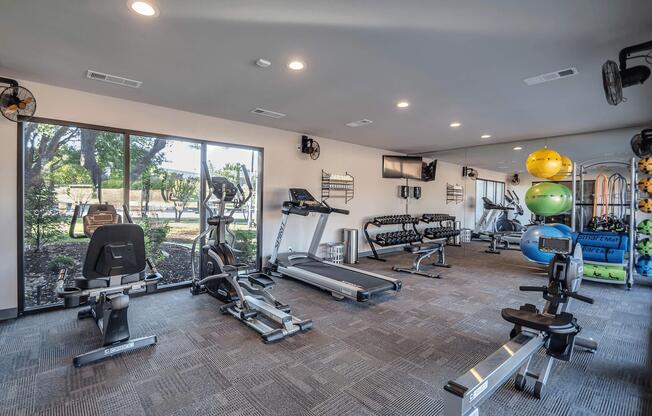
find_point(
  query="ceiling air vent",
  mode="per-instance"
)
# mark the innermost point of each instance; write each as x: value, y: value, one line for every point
x: 113, y: 79
x: 359, y: 123
x: 551, y: 76
x: 267, y: 113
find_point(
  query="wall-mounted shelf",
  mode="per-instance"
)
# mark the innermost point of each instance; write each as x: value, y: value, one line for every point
x: 454, y: 193
x: 337, y: 186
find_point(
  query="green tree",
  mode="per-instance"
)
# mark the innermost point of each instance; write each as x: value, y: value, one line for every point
x: 42, y: 218
x: 179, y: 190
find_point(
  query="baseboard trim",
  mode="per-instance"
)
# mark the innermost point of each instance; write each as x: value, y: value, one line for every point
x: 10, y: 313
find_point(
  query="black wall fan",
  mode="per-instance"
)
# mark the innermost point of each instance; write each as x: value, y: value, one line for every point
x: 642, y: 143
x: 16, y: 103
x: 614, y: 79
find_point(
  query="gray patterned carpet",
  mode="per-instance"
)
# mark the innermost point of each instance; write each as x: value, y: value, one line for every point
x: 390, y: 357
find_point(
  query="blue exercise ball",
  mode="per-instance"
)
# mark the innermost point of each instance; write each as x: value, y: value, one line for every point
x: 530, y: 242
x: 564, y: 229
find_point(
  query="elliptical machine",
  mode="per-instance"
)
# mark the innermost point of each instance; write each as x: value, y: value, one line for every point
x: 506, y: 224
x: 218, y: 273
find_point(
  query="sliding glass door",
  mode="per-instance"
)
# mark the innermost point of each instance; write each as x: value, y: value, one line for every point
x: 67, y: 167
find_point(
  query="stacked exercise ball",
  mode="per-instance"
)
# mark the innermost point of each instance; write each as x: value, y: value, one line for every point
x: 544, y: 163
x: 565, y: 171
x: 530, y: 242
x: 547, y: 199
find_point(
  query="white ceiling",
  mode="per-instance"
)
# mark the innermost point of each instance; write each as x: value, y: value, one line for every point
x: 453, y: 60
x: 502, y: 157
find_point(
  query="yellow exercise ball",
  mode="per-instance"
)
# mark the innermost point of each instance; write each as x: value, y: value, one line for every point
x: 543, y: 163
x: 645, y: 165
x: 565, y: 171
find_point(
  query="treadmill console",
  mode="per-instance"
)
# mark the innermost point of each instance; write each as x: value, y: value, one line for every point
x: 300, y: 196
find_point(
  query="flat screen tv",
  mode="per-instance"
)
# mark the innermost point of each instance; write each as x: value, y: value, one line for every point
x: 402, y: 167
x: 429, y: 171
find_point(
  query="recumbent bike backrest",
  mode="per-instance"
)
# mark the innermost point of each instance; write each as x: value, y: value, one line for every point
x: 116, y: 249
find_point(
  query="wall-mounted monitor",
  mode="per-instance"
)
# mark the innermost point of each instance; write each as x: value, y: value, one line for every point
x: 429, y: 171
x: 402, y: 167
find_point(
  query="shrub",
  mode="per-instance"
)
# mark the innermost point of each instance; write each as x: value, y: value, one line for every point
x: 245, y: 242
x: 156, y: 232
x: 42, y: 218
x: 61, y: 262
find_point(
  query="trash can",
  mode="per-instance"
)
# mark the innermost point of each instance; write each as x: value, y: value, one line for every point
x: 458, y: 238
x: 350, y: 245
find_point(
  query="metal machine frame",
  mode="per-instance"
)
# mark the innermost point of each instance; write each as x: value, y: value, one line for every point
x: 465, y: 394
x: 290, y: 264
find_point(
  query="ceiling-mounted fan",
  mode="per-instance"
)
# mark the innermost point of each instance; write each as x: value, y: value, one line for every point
x: 614, y: 79
x: 16, y: 103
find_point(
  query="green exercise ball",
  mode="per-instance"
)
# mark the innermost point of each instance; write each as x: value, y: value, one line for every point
x: 547, y: 199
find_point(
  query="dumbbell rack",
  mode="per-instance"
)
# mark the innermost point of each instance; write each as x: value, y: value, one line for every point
x: 445, y: 227
x: 407, y: 235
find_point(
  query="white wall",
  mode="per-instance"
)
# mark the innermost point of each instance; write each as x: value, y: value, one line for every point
x: 284, y: 167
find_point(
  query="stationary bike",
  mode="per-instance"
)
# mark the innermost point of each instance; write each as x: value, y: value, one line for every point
x: 218, y: 273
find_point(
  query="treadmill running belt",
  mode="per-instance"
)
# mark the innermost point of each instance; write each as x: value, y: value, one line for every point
x: 363, y: 280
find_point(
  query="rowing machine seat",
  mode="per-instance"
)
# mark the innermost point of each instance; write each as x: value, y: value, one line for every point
x: 560, y: 324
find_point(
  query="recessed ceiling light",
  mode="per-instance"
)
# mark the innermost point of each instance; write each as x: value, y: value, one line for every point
x: 455, y: 124
x: 486, y: 136
x: 402, y: 104
x: 518, y: 148
x: 296, y: 65
x: 143, y: 8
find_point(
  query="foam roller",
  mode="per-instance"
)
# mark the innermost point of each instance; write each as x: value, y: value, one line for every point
x: 604, y: 272
x: 604, y: 255
x: 605, y: 240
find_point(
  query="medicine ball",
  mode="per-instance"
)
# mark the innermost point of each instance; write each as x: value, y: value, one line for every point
x: 645, y: 205
x: 645, y: 227
x: 644, y: 265
x: 645, y: 165
x: 644, y: 246
x: 645, y: 185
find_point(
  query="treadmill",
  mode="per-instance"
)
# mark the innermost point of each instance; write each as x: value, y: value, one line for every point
x: 340, y: 280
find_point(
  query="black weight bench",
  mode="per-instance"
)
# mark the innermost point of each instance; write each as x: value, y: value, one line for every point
x: 424, y: 251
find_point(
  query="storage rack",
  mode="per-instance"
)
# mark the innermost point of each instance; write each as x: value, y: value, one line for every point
x: 337, y: 186
x: 454, y: 193
x: 578, y: 221
x: 392, y: 238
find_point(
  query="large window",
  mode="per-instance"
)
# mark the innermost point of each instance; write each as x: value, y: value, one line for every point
x: 67, y: 167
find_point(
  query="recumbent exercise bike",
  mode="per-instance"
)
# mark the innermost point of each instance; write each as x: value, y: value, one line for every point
x: 218, y: 273
x: 115, y: 266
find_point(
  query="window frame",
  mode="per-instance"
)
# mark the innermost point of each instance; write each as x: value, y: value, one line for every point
x: 127, y: 133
